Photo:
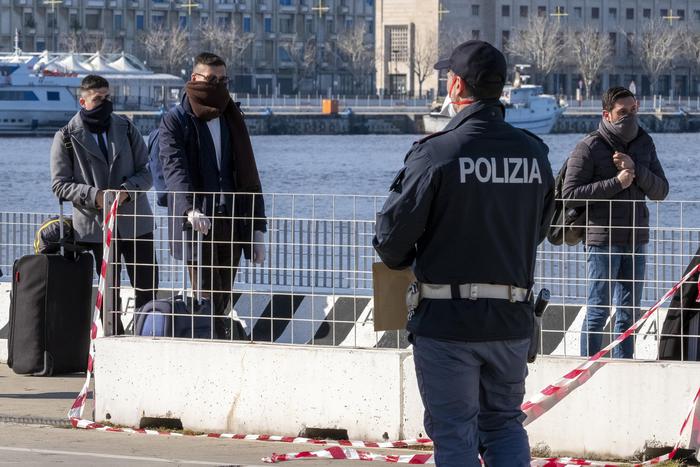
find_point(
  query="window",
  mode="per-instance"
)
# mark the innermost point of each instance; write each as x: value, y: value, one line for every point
x: 505, y: 38
x: 285, y: 2
x: 286, y: 25
x: 246, y: 24
x: 696, y: 15
x: 40, y: 45
x: 476, y: 34
x: 541, y: 11
x: 595, y: 12
x: 475, y: 10
x: 398, y: 43
x: 158, y: 21
x: 630, y: 13
x: 18, y: 96
x: 267, y: 24
x: 182, y: 21
x: 309, y: 25
x: 612, y: 12
x: 118, y: 22
x: 524, y: 11
x: 330, y: 25
x: 204, y: 20
x: 349, y: 23
x: 646, y: 13
x: 681, y: 15
x: 53, y: 96
x: 283, y: 54
x: 664, y: 12
x: 92, y: 21
x: 51, y: 20
x: 578, y: 12
x: 612, y: 37
x: 630, y: 43
x: 139, y: 22
x: 370, y: 26
x: 370, y: 3
x: 505, y: 10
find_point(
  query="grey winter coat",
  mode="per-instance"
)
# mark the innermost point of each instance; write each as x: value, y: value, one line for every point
x: 592, y: 175
x: 79, y: 177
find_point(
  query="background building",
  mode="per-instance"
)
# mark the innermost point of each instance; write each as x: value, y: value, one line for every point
x: 273, y: 46
x: 412, y: 33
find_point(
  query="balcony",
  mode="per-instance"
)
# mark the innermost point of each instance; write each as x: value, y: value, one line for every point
x: 113, y: 3
x: 96, y: 3
x: 343, y: 10
x: 262, y: 8
x: 22, y: 2
x: 303, y: 8
x: 160, y: 5
x: 226, y: 6
x: 242, y: 7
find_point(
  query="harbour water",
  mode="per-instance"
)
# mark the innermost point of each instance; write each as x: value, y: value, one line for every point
x: 353, y: 164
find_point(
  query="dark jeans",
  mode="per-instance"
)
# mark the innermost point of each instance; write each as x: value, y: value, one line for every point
x: 220, y: 258
x: 616, y: 270
x: 472, y: 392
x: 139, y: 256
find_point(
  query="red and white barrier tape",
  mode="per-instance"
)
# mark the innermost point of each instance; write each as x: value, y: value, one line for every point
x: 340, y: 453
x: 76, y: 410
x: 554, y: 393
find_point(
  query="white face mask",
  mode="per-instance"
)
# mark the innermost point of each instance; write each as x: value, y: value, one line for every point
x: 448, y: 110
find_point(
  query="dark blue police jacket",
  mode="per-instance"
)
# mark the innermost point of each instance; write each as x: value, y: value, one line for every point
x: 471, y: 205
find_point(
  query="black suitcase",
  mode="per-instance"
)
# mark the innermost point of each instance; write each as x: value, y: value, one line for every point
x: 50, y: 314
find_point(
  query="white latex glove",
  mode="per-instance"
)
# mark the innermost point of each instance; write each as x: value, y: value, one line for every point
x: 199, y: 221
x: 258, y: 247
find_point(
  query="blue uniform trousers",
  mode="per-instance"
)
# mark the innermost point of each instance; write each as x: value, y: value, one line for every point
x: 472, y: 392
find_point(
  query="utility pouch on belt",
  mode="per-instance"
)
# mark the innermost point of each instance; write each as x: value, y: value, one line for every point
x: 540, y: 305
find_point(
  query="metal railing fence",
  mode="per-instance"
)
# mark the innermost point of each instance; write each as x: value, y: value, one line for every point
x: 315, y: 286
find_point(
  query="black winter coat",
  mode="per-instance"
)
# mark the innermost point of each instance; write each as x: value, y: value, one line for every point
x: 592, y: 175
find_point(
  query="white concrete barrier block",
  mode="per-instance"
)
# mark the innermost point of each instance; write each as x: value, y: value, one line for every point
x: 249, y: 388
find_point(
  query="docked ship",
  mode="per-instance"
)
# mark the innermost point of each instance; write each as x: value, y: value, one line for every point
x: 38, y: 90
x: 527, y: 107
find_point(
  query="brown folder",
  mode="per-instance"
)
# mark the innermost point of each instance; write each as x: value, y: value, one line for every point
x: 390, y: 286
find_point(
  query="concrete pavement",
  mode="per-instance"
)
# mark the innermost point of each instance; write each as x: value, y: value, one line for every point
x: 41, y: 401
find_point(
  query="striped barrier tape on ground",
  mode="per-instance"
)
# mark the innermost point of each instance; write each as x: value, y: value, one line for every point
x: 554, y: 393
x: 76, y: 410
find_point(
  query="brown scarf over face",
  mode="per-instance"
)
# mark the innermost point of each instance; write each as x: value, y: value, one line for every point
x: 209, y: 101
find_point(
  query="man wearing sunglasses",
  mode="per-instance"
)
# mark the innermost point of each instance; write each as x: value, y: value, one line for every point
x: 209, y: 168
x: 466, y: 213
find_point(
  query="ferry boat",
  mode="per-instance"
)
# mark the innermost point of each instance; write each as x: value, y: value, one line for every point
x: 527, y: 107
x: 38, y: 90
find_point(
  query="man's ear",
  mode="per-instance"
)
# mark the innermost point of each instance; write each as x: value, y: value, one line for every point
x: 81, y: 101
x: 606, y: 115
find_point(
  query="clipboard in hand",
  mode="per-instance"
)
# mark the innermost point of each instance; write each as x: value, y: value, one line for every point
x: 390, y: 286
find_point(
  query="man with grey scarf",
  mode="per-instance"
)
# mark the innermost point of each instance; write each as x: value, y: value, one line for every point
x: 611, y: 172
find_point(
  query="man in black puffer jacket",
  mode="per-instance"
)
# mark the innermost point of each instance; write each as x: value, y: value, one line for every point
x: 612, y: 171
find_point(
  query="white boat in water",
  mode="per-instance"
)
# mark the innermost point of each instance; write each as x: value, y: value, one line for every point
x: 527, y: 107
x: 38, y: 90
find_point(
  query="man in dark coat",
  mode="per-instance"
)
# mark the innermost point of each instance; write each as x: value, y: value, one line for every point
x: 611, y: 172
x: 210, y: 170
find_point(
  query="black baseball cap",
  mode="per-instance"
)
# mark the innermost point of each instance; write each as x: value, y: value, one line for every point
x: 476, y: 62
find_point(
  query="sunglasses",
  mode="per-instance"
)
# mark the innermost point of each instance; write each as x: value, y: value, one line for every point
x: 213, y: 79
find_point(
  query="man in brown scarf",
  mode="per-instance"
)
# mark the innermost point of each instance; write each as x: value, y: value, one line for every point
x: 210, y: 170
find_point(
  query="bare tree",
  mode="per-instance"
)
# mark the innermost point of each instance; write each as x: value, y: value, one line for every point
x: 303, y: 55
x: 230, y: 42
x: 589, y: 50
x: 72, y: 41
x: 169, y: 46
x: 656, y: 47
x: 692, y: 48
x: 425, y: 56
x: 357, y: 54
x: 540, y: 44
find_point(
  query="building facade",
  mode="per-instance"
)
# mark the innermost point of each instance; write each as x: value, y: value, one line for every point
x: 279, y: 59
x: 409, y: 31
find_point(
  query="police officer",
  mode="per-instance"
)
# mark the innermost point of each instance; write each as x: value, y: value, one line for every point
x: 467, y: 212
